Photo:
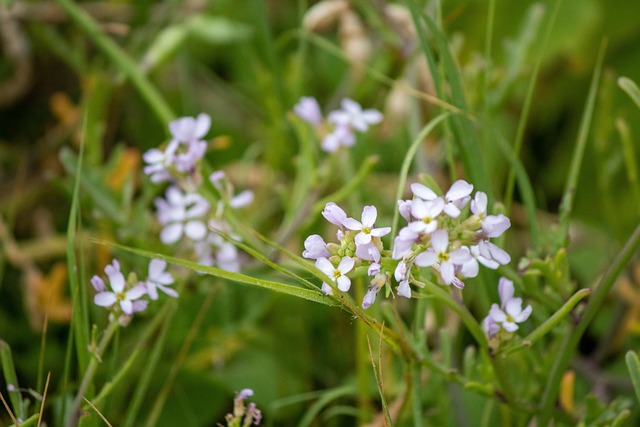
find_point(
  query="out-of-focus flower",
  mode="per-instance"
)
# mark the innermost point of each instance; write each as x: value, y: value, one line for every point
x: 159, y: 278
x: 182, y: 213
x: 125, y: 298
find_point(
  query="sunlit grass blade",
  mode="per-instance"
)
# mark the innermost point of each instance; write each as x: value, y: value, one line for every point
x: 124, y: 63
x: 633, y: 365
x: 315, y: 296
x: 10, y: 378
x: 32, y: 421
x: 566, y: 206
x: 80, y: 315
x: 629, y: 157
x: 630, y: 88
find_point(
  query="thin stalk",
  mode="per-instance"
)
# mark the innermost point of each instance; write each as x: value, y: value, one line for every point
x: 362, y: 360
x: 416, y: 395
x: 91, y: 370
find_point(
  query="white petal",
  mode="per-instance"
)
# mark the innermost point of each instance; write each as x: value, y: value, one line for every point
x: 372, y: 116
x: 127, y: 307
x: 202, y: 125
x: 327, y: 289
x: 404, y: 289
x: 470, y: 268
x: 440, y: 241
x: 479, y: 203
x: 369, y: 215
x: 505, y: 290
x: 346, y: 264
x: 422, y: 191
x: 498, y: 254
x: 459, y: 190
x: 242, y: 199
x: 195, y: 230
x: 497, y: 314
x: 171, y: 233
x: 362, y: 238
x: 344, y: 283
x: 382, y: 231
x: 451, y: 210
x: 157, y: 267
x: 324, y: 265
x: 510, y: 326
x: 460, y: 256
x: 426, y: 259
x: 136, y: 292
x: 352, y: 224
x: 153, y: 156
x: 447, y: 272
x: 105, y: 299
x: 169, y: 291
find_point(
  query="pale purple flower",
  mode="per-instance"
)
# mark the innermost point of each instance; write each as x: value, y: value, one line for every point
x: 404, y: 207
x: 491, y: 328
x: 401, y: 273
x: 368, y: 252
x: 118, y: 294
x: 241, y: 199
x: 457, y: 197
x: 351, y: 114
x: 243, y: 394
x: 404, y: 242
x: 426, y: 214
x: 510, y: 312
x: 334, y: 214
x: 337, y: 274
x: 315, y: 247
x: 471, y: 267
x: 181, y: 213
x: 404, y: 289
x: 188, y: 129
x: 341, y: 136
x: 309, y: 111
x: 495, y: 225
x: 159, y: 278
x: 214, y: 250
x: 423, y: 192
x: 366, y: 227
x: 490, y: 251
x: 439, y: 255
x: 159, y: 163
x: 479, y: 205
x: 370, y: 297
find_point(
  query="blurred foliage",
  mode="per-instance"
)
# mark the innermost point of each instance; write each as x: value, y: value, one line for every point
x: 246, y: 63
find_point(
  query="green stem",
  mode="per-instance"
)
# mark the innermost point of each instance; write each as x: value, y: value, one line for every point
x: 362, y: 360
x: 91, y: 370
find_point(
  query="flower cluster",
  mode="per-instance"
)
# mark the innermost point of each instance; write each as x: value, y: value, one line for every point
x: 185, y: 214
x: 506, y: 316
x: 339, y: 128
x: 244, y: 415
x: 124, y: 297
x: 359, y: 244
x: 438, y: 236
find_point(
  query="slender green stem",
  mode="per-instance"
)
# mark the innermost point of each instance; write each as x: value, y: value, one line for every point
x: 91, y: 370
x: 362, y: 360
x: 416, y: 395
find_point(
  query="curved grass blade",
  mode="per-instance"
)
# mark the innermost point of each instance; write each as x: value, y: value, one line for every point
x: 310, y: 295
x: 631, y: 88
x: 633, y: 365
x: 10, y: 378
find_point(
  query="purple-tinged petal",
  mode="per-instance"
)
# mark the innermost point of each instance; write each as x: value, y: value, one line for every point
x: 505, y: 290
x: 98, y: 284
x: 440, y: 241
x: 447, y: 272
x: 363, y: 238
x: 126, y: 306
x: 324, y: 265
x: 426, y: 259
x: 344, y: 283
x: 136, y: 292
x: 404, y: 289
x: 369, y: 297
x: 346, y: 264
x: 171, y: 233
x: 326, y: 289
x: 479, y: 204
x: 369, y: 215
x: 423, y: 192
x: 379, y: 232
x: 459, y: 190
x: 460, y: 256
x: 195, y: 230
x: 451, y: 210
x: 352, y: 224
x: 498, y: 315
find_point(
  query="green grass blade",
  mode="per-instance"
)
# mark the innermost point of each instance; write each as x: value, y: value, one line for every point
x: 568, y: 196
x: 631, y: 88
x: 124, y: 63
x: 310, y: 295
x: 10, y: 378
x: 629, y: 157
x: 79, y: 317
x: 633, y: 365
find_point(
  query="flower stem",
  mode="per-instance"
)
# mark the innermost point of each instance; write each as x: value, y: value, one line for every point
x: 91, y: 370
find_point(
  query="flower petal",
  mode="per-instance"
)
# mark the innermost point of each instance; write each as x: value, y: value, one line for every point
x: 423, y: 192
x: 105, y: 299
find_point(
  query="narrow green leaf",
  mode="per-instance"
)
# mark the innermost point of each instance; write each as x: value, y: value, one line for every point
x: 29, y: 422
x: 10, y: 378
x: 568, y: 196
x: 310, y: 295
x: 633, y: 365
